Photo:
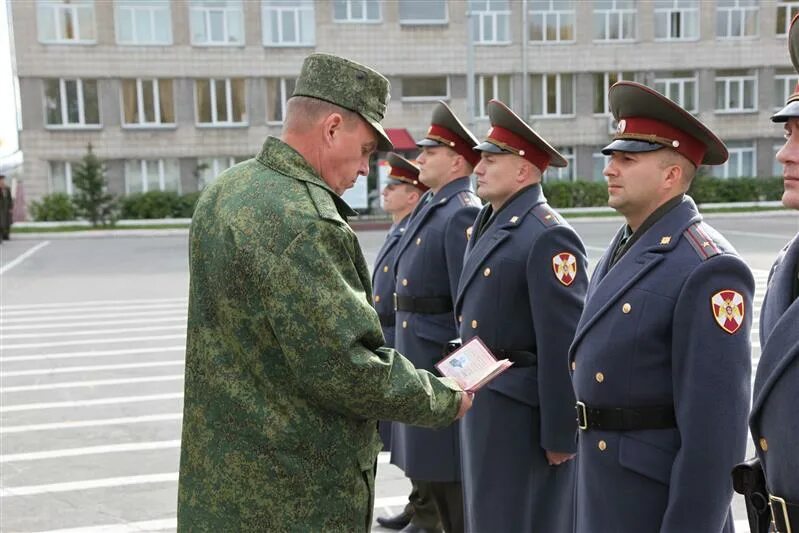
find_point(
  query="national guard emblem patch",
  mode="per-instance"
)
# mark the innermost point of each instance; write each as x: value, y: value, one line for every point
x: 565, y: 266
x: 728, y: 310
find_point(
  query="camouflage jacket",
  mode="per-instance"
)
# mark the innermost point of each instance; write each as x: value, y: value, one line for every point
x: 285, y: 369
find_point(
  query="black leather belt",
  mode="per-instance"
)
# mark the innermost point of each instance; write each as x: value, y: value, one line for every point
x: 625, y: 418
x: 783, y: 514
x: 387, y: 320
x: 423, y: 305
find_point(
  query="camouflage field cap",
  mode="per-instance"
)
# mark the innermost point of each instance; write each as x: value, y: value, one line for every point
x: 648, y: 121
x: 509, y: 134
x: 350, y: 85
x: 447, y: 130
x: 403, y: 171
x: 791, y: 108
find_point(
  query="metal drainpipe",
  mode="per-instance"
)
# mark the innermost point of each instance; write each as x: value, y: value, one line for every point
x: 525, y: 81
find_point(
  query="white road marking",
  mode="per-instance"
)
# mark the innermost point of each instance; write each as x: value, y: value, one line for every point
x: 94, y: 368
x: 90, y: 332
x: 178, y: 310
x: 90, y: 450
x: 88, y: 403
x: 91, y: 383
x: 71, y: 486
x: 14, y: 262
x: 122, y: 421
x: 92, y: 341
x: 91, y: 353
x: 165, y: 524
x: 784, y: 238
x: 91, y: 303
x: 58, y: 313
x: 54, y: 325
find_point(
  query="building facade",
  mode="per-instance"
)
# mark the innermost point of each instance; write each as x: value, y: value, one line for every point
x: 169, y: 93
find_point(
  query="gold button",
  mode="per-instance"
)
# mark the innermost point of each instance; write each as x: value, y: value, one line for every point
x: 574, y: 365
x: 474, y: 324
x: 487, y: 272
x: 377, y: 298
x: 763, y: 444
x: 460, y: 318
x: 404, y: 323
x: 404, y: 282
x: 600, y: 377
x: 418, y: 241
x: 626, y: 308
x: 385, y: 268
x: 602, y: 445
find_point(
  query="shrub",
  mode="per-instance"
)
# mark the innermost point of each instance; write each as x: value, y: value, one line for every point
x: 159, y: 204
x: 576, y: 193
x: 53, y: 207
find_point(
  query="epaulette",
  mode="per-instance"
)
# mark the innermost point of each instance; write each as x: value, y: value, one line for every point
x: 546, y: 215
x: 469, y: 200
x: 704, y: 246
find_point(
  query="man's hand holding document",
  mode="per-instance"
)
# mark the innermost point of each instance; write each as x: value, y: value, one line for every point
x: 472, y: 365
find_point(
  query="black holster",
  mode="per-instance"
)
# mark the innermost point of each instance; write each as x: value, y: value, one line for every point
x: 748, y: 479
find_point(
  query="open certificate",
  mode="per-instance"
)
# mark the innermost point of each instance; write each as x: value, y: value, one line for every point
x: 472, y: 365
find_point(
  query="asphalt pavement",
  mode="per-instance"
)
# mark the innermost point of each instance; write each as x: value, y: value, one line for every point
x: 92, y: 337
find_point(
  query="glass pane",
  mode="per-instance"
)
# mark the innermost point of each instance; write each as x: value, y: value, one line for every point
x: 198, y: 34
x: 86, y: 23
x: 691, y: 25
x: 749, y: 94
x: 91, y: 106
x: 782, y: 13
x: 306, y: 27
x: 239, y: 100
x: 52, y: 101
x: 487, y: 28
x: 721, y: 24
x: 129, y: 102
x: 552, y: 94
x: 424, y: 87
x: 339, y: 9
x: 288, y: 35
x: 203, y: 94
x: 503, y: 27
x: 162, y: 22
x: 165, y: 100
x: 614, y: 31
x: 690, y: 96
x: 537, y: 28
x: 567, y: 94
x: 46, y: 23
x: 73, y: 111
x: 750, y: 23
x: 171, y: 175
x: 274, y: 111
x: 58, y: 177
x: 567, y: 27
x: 503, y: 87
x: 372, y: 10
x: 148, y: 101
x: 125, y: 25
x: 221, y: 101
x: 422, y: 10
x: 290, y: 83
x: 217, y: 25
x: 537, y: 97
x: 628, y: 28
x: 747, y: 164
x: 133, y: 176
x: 153, y: 175
x: 144, y: 30
x: 736, y: 24
x: 599, y: 93
x: 67, y: 23
x: 599, y: 26
x: 676, y: 29
x: 734, y: 94
x: 661, y: 30
x: 721, y: 97
x: 234, y: 29
x: 356, y: 9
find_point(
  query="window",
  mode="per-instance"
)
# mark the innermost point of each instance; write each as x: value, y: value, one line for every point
x: 552, y: 95
x: 736, y: 91
x: 423, y: 11
x: 425, y: 89
x: 736, y: 18
x: 356, y: 10
x: 785, y: 82
x: 551, y: 21
x: 776, y: 169
x: 614, y: 20
x: 600, y: 161
x: 489, y: 87
x: 221, y: 102
x: 143, y: 175
x: 676, y: 20
x: 147, y: 102
x: 65, y: 21
x: 490, y: 21
x: 288, y: 22
x: 278, y: 91
x: 217, y: 22
x: 61, y: 177
x: 680, y: 87
x: 786, y: 11
x: 143, y: 22
x: 602, y: 84
x: 209, y: 168
x: 562, y: 173
x: 71, y: 103
x: 741, y: 163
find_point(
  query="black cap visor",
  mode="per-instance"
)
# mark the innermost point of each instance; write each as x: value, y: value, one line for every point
x: 490, y: 147
x: 629, y: 145
x: 430, y: 142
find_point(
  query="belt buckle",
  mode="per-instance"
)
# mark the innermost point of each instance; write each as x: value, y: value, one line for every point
x: 582, y: 416
x: 782, y: 507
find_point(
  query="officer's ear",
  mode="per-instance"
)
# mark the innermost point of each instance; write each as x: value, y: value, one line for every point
x: 332, y: 126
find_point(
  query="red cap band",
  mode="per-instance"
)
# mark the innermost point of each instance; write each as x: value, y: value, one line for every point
x: 454, y: 141
x: 654, y: 131
x: 520, y: 146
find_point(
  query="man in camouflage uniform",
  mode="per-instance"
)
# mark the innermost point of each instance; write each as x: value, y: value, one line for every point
x: 285, y: 370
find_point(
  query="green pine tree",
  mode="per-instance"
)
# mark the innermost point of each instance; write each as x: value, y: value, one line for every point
x: 91, y: 199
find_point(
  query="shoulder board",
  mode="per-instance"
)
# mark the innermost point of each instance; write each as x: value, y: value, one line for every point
x: 546, y: 215
x: 701, y: 242
x: 469, y: 199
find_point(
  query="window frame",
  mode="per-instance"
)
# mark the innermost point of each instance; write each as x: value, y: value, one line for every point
x: 140, y: 125
x: 742, y: 79
x: 143, y: 175
x: 478, y: 16
x: 480, y: 111
x: 283, y: 100
x: 231, y: 160
x: 733, y: 149
x: 207, y: 22
x: 558, y: 103
x: 265, y: 20
x: 58, y: 5
x: 607, y: 85
x: 617, y: 12
x: 68, y: 184
x: 743, y: 10
x: 425, y: 22
x: 776, y: 166
x: 789, y: 82
x: 669, y: 80
x: 228, y: 104
x: 62, y: 96
x: 669, y: 12
x: 434, y: 98
x: 605, y: 158
x: 558, y: 13
x: 165, y: 6
x: 792, y: 8
x: 569, y: 153
x: 350, y: 20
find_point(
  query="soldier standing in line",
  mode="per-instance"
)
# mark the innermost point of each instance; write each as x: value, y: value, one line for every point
x: 661, y: 358
x: 428, y: 266
x: 521, y: 291
x: 6, y: 209
x: 400, y: 196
